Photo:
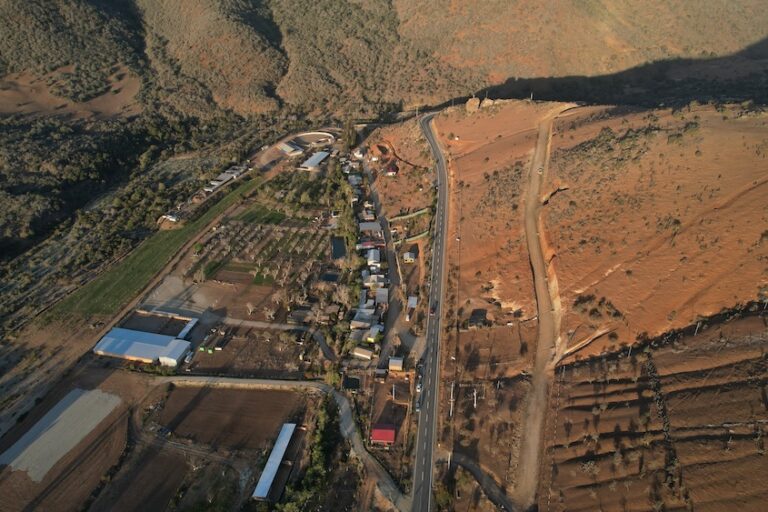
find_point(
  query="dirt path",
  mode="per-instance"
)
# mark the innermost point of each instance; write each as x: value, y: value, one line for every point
x: 485, y: 481
x: 547, y: 342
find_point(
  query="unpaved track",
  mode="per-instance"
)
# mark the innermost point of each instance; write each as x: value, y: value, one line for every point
x: 527, y: 479
x: 485, y: 481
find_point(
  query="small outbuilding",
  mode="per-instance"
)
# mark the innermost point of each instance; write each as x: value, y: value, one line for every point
x: 396, y: 364
x: 362, y: 353
x: 312, y: 163
x: 383, y: 434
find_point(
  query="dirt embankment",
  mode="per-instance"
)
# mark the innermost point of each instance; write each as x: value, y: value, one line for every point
x: 674, y: 424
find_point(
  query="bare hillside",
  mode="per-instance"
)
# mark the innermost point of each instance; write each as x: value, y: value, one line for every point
x: 571, y: 37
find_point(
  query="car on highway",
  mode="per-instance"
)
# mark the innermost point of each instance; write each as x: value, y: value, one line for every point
x: 418, y: 405
x: 433, y: 309
x: 418, y: 387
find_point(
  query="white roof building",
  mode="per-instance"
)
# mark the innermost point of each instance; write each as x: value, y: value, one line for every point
x: 362, y: 353
x: 313, y: 163
x: 396, y: 364
x: 374, y: 257
x: 273, y: 463
x: 145, y: 347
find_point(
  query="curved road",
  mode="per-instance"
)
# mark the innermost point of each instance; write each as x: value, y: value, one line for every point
x: 485, y: 481
x: 427, y: 428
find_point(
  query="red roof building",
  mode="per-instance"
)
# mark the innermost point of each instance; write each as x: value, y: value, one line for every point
x: 383, y: 434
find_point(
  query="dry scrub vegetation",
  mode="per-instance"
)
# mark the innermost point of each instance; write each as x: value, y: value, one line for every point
x: 662, y: 220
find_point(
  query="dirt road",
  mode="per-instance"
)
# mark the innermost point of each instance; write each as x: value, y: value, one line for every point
x: 528, y: 467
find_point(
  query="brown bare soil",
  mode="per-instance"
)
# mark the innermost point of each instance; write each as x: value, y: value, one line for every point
x: 675, y: 426
x: 69, y: 483
x: 150, y: 482
x: 404, y: 146
x: 256, y: 352
x: 231, y: 418
x: 489, y: 155
x: 653, y: 202
x: 489, y: 433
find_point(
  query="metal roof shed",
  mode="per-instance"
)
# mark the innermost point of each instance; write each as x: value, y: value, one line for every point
x: 273, y: 463
x: 146, y: 347
x: 313, y: 163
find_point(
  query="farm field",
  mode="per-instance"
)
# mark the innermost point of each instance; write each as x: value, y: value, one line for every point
x: 676, y: 424
x: 230, y: 418
x: 258, y: 353
x: 107, y: 293
x: 70, y: 439
x: 149, y: 480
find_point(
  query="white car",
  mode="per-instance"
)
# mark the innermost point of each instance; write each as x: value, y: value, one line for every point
x: 418, y: 387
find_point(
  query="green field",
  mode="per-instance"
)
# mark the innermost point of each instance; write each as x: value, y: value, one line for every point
x: 112, y: 290
x: 260, y: 214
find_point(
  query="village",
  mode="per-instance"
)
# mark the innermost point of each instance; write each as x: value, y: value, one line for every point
x: 301, y: 281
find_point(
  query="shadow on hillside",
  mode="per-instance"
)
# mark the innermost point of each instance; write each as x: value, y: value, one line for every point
x: 741, y: 76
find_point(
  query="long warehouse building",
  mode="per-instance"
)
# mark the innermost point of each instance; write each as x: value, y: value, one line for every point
x: 145, y: 347
x: 273, y: 463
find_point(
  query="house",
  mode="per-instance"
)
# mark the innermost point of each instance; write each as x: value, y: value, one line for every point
x: 374, y: 281
x: 312, y: 164
x: 351, y: 384
x: 300, y: 316
x: 409, y: 257
x: 367, y: 216
x: 371, y: 229
x: 374, y: 333
x: 396, y: 364
x: 382, y: 296
x: 363, y: 319
x: 274, y: 462
x: 359, y: 153
x: 374, y: 258
x: 362, y: 353
x: 383, y: 434
x: 355, y: 180
x: 144, y: 347
x: 392, y: 169
x: 290, y: 148
x: 329, y: 314
x: 411, y: 307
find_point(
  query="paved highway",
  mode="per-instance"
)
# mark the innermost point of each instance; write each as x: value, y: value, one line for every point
x: 427, y: 420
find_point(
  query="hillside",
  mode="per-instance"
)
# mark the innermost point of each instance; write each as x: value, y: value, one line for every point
x: 328, y: 55
x: 654, y: 243
x: 506, y: 39
x: 93, y: 93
